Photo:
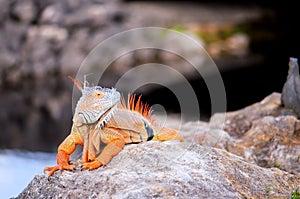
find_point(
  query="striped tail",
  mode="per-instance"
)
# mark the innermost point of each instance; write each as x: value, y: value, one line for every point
x: 168, y: 134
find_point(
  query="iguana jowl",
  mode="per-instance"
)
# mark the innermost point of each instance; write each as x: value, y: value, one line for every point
x: 101, y: 116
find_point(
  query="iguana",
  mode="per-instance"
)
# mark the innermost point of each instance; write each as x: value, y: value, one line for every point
x: 102, y: 115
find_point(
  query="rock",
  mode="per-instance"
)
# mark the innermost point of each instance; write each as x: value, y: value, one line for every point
x: 239, y: 122
x: 167, y: 170
x: 4, y: 9
x: 201, y: 133
x: 38, y: 54
x: 271, y: 142
x: 75, y: 49
x: 24, y: 11
x: 290, y: 97
x: 52, y: 14
x: 10, y: 50
x: 92, y: 16
x: 261, y: 133
x: 238, y: 44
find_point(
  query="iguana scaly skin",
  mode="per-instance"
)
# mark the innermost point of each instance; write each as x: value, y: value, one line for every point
x: 101, y: 116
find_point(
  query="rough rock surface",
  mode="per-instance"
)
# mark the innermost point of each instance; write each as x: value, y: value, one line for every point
x: 239, y: 122
x: 264, y: 133
x: 271, y: 142
x: 167, y: 170
x: 290, y: 90
x: 260, y: 162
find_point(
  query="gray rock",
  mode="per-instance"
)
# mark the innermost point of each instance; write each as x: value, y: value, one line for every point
x: 167, y: 170
x: 272, y: 142
x: 52, y: 14
x: 89, y: 16
x: 4, y: 9
x: 74, y: 49
x: 24, y: 11
x: 42, y: 44
x: 290, y: 97
x: 261, y: 133
x: 239, y: 122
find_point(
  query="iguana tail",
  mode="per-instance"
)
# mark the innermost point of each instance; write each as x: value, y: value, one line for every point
x: 167, y: 134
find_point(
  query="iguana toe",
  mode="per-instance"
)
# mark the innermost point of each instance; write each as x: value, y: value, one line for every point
x: 92, y: 165
x: 58, y: 167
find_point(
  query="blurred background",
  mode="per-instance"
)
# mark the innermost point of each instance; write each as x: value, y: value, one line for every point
x: 44, y: 41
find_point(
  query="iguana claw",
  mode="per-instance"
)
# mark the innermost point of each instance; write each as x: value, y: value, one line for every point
x: 92, y: 165
x: 62, y: 159
x: 59, y: 167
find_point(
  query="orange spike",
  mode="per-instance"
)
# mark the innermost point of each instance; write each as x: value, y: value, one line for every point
x: 75, y: 82
x: 138, y: 106
x: 131, y: 99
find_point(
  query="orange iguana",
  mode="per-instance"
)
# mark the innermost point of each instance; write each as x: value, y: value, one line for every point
x: 101, y: 116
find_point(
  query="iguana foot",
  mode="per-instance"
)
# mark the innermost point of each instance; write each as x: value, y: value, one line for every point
x: 58, y: 167
x: 92, y: 165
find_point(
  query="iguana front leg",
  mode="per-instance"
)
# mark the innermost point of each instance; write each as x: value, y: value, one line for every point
x: 65, y: 149
x: 115, y: 143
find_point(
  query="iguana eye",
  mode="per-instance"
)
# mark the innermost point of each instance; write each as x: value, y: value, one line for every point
x: 99, y: 94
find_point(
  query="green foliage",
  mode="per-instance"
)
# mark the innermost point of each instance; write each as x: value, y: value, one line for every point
x: 211, y: 37
x: 295, y: 194
x: 268, y: 190
x: 179, y: 28
x: 278, y: 165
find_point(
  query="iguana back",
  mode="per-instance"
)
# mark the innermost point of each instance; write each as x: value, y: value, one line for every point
x: 136, y: 123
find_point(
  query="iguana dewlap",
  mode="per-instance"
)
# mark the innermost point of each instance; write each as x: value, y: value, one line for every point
x: 101, y: 116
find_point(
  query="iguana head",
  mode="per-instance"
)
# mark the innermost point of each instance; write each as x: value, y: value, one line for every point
x: 96, y: 105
